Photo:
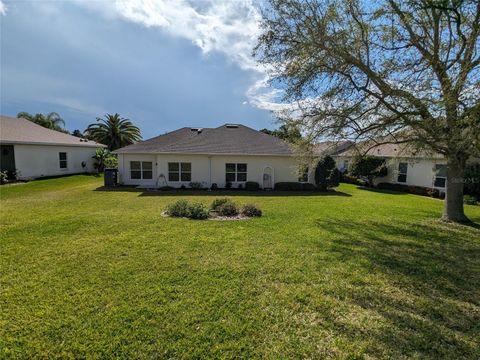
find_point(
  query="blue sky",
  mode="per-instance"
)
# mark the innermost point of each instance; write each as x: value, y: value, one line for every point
x: 164, y: 64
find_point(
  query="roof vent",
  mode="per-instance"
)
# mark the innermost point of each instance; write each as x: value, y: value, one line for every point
x: 197, y: 130
x: 231, y: 126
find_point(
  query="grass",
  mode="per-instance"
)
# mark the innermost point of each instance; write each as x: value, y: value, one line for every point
x: 100, y: 274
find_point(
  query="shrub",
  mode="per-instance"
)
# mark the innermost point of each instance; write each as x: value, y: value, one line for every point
x: 308, y: 187
x: 217, y: 203
x: 183, y: 187
x: 411, y: 189
x: 368, y: 166
x: 251, y: 210
x: 289, y: 186
x: 349, y: 179
x: 252, y: 186
x: 326, y: 174
x: 214, y: 186
x: 197, y: 211
x: 3, y: 177
x: 240, y: 186
x: 472, y: 180
x: 166, y: 188
x: 179, y: 208
x: 228, y: 185
x: 195, y: 185
x: 469, y: 200
x: 228, y: 208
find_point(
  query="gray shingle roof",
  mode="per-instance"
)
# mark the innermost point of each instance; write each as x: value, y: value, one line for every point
x: 225, y: 139
x: 22, y: 131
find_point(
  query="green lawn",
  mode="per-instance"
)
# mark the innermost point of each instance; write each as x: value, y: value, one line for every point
x: 356, y: 274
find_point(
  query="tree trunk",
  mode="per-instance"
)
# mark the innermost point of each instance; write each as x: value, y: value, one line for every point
x: 453, y: 206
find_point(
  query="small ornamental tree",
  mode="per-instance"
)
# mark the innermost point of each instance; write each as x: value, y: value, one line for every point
x: 325, y: 175
x: 369, y: 167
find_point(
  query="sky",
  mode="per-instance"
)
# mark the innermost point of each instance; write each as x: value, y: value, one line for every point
x: 163, y: 64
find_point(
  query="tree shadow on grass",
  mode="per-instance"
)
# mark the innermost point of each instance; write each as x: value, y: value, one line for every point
x: 221, y: 192
x: 428, y: 288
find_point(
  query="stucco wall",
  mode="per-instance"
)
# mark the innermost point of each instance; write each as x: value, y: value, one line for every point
x: 208, y: 169
x: 33, y: 161
x: 420, y: 172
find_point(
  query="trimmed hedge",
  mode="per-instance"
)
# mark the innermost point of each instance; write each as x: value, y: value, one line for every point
x: 252, y: 186
x: 294, y: 186
x: 411, y: 189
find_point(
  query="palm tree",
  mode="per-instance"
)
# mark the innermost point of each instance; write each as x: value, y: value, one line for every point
x: 50, y: 121
x: 113, y: 131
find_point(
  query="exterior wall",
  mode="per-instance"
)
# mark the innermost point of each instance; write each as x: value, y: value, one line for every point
x: 207, y: 169
x: 34, y: 161
x: 420, y: 172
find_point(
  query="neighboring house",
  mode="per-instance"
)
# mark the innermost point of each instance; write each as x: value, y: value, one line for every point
x: 230, y: 153
x: 33, y: 151
x: 405, y: 166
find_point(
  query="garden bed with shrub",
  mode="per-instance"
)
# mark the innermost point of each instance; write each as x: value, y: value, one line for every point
x: 220, y: 209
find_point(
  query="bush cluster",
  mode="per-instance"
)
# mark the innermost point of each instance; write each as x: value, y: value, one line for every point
x: 251, y: 210
x: 182, y: 208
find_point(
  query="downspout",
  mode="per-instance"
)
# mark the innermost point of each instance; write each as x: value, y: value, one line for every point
x: 210, y: 170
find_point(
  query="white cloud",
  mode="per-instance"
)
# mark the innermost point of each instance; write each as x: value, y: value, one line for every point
x: 227, y: 27
x: 3, y: 8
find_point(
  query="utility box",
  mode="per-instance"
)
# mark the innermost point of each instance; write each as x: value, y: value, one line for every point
x: 110, y: 177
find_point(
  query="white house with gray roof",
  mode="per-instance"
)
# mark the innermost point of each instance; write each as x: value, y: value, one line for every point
x: 33, y: 151
x: 405, y: 165
x: 230, y: 153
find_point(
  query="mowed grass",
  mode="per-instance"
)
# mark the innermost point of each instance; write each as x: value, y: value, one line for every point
x: 353, y: 274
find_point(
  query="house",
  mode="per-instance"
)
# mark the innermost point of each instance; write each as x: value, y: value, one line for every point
x: 32, y: 151
x: 405, y: 165
x: 230, y: 153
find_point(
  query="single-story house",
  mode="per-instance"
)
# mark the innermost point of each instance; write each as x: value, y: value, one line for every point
x: 32, y: 151
x: 230, y: 153
x: 405, y: 165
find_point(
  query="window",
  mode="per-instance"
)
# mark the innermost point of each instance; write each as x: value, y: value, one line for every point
x: 63, y: 160
x: 179, y: 171
x: 440, y: 175
x: 402, y: 172
x: 141, y: 170
x: 303, y: 174
x: 235, y: 172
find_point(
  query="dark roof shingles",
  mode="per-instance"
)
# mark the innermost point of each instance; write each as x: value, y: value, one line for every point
x: 240, y: 140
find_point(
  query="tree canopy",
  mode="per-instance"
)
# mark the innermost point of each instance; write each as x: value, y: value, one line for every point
x: 50, y: 121
x: 113, y: 131
x: 285, y: 132
x: 396, y: 71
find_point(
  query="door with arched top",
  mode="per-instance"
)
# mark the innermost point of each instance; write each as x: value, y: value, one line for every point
x: 268, y: 178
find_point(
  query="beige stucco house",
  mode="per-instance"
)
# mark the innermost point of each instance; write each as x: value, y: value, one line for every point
x: 230, y: 153
x: 32, y: 151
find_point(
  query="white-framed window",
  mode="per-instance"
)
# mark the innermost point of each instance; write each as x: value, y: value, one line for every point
x: 402, y: 172
x: 440, y: 175
x: 62, y: 157
x: 179, y: 171
x: 141, y: 170
x: 235, y: 172
x: 345, y: 165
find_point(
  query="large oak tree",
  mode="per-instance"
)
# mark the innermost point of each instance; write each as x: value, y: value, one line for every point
x: 406, y: 71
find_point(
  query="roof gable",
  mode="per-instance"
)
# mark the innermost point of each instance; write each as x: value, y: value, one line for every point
x: 22, y: 131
